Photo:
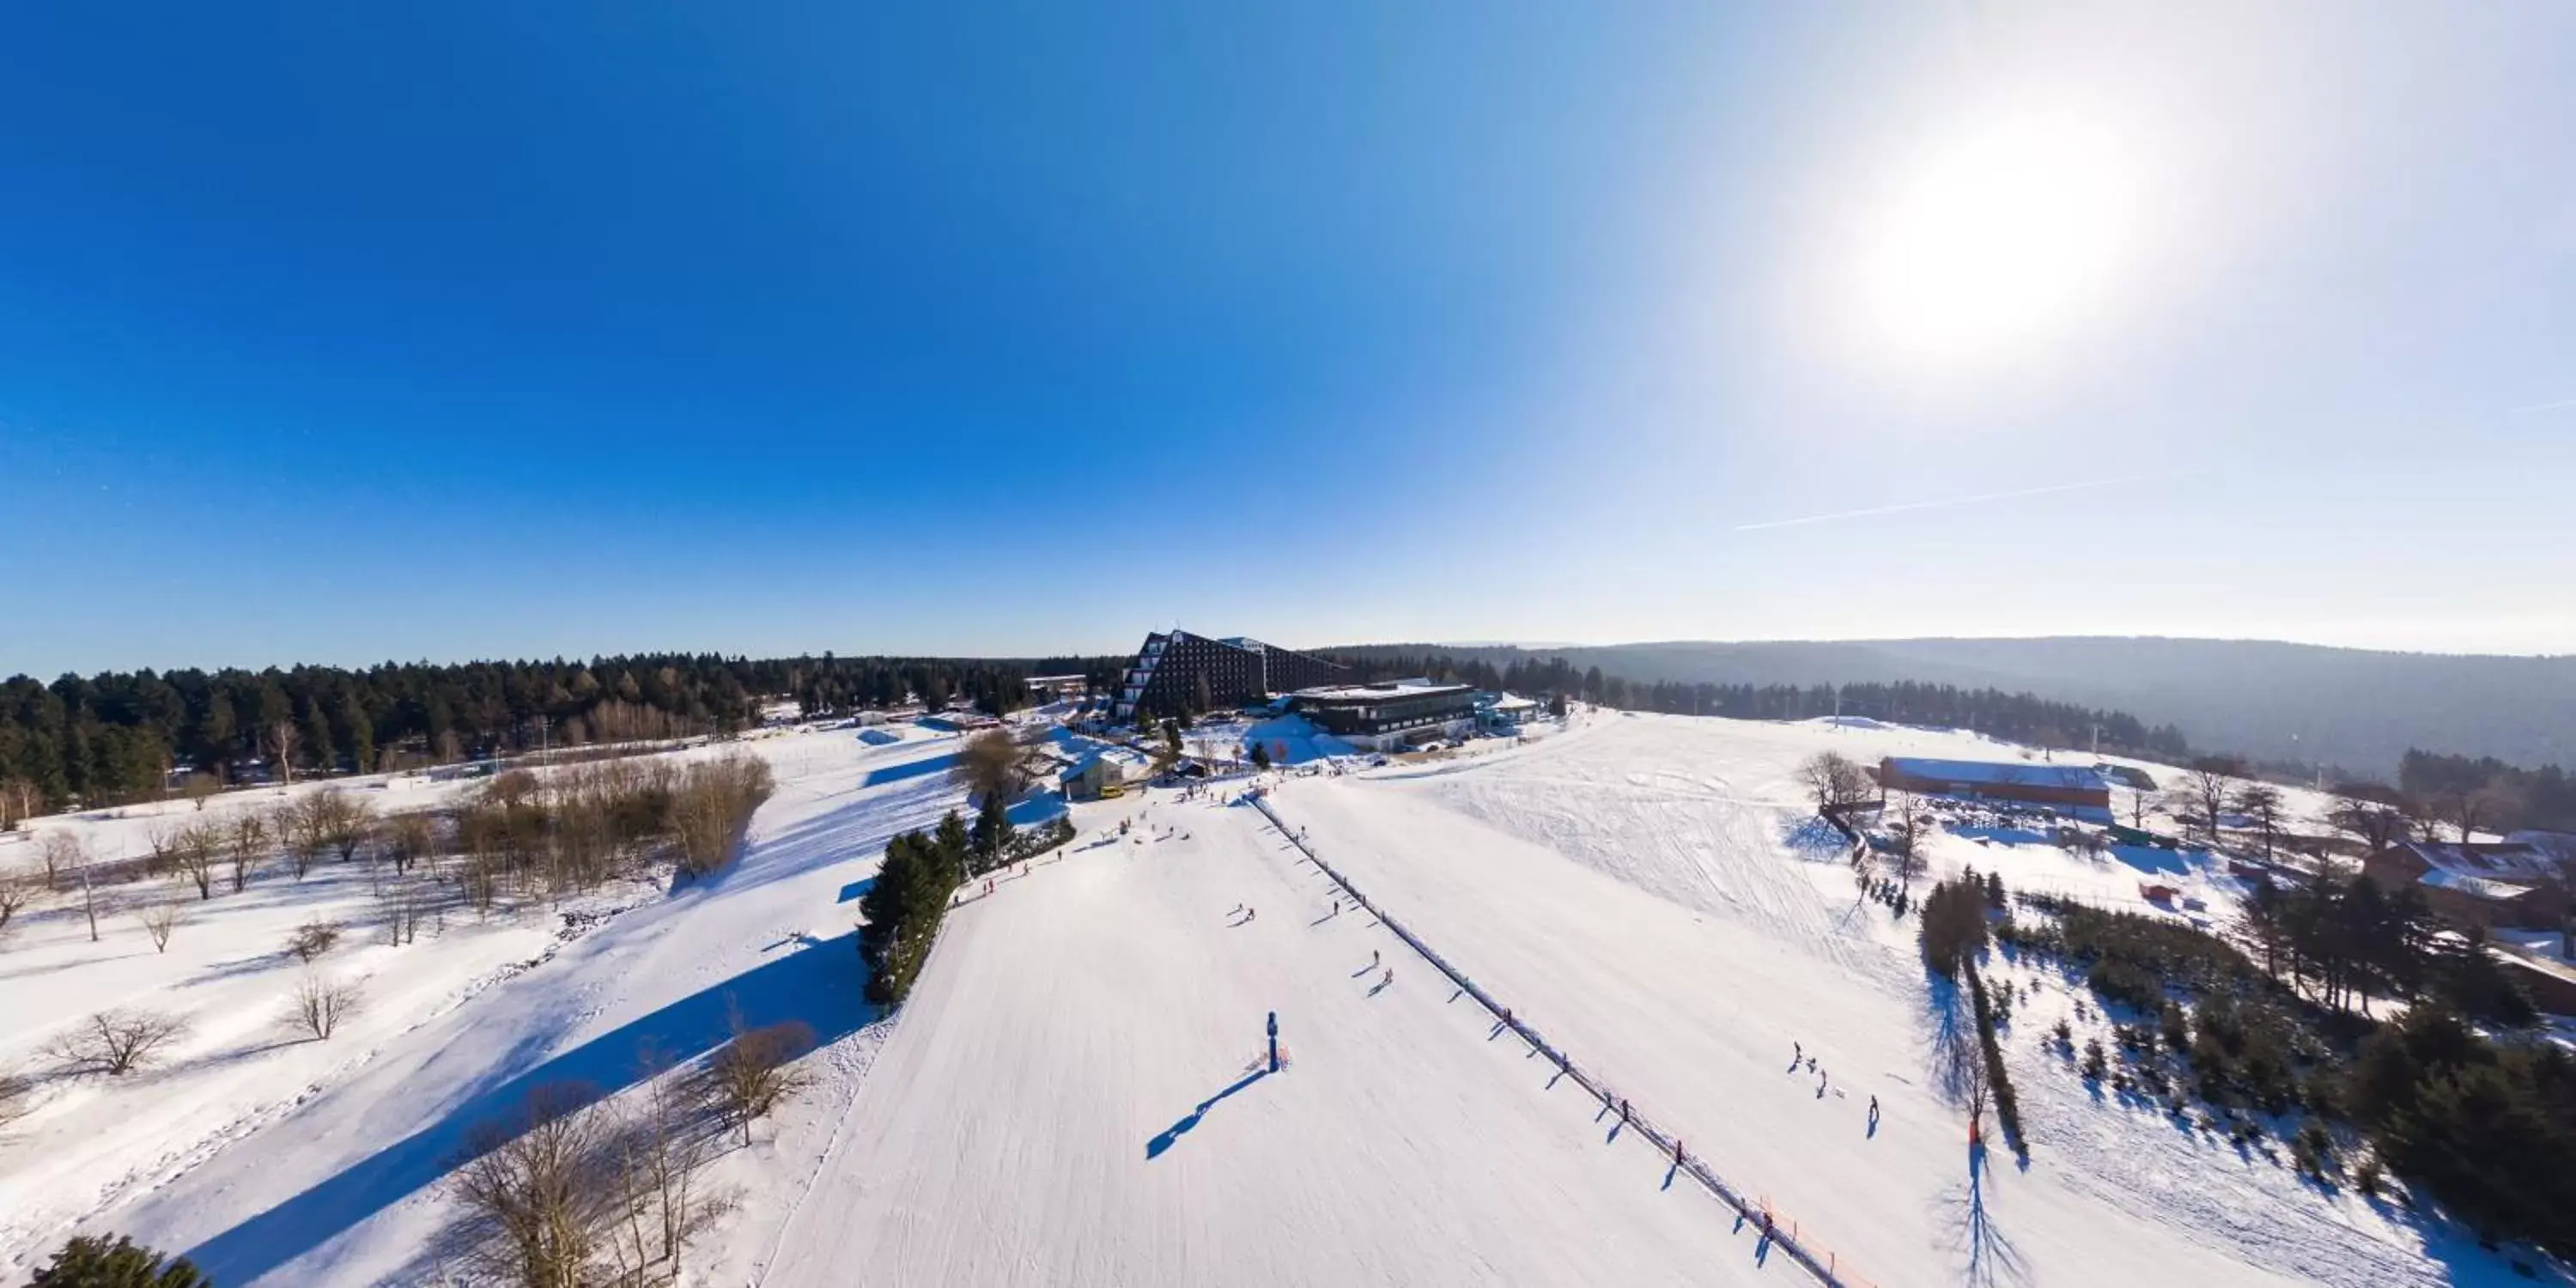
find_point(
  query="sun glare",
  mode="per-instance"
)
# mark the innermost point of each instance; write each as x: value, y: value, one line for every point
x: 1994, y: 245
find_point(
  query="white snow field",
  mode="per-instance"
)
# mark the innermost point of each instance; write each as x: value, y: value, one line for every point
x: 1645, y: 890
x: 274, y: 1161
x: 1074, y: 1094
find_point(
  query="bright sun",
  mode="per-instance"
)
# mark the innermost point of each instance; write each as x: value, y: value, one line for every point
x: 1995, y: 245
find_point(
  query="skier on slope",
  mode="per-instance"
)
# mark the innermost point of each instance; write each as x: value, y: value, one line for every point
x: 1388, y: 980
x: 1372, y: 958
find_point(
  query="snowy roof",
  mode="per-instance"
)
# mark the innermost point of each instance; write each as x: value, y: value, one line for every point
x: 1512, y: 702
x: 1379, y: 692
x: 1120, y: 760
x: 2556, y: 845
x: 2474, y: 887
x: 1999, y: 772
x: 2509, y: 861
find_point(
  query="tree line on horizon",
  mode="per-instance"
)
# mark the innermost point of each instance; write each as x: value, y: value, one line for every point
x: 2022, y: 717
x: 118, y: 736
x: 2471, y: 793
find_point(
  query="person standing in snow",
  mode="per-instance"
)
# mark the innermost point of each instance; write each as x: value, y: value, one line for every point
x: 1372, y: 958
x: 1387, y: 980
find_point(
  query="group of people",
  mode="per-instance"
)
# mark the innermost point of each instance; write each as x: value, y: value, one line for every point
x: 1798, y: 1056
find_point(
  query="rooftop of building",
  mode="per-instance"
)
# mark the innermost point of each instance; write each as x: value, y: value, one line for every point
x: 1999, y: 772
x: 1382, y: 692
x: 2483, y: 860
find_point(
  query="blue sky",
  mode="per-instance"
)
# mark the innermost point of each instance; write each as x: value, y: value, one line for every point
x: 340, y: 333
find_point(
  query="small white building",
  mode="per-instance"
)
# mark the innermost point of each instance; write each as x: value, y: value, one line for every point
x: 1095, y: 772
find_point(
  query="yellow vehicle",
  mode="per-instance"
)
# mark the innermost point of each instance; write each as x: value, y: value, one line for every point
x: 1112, y: 791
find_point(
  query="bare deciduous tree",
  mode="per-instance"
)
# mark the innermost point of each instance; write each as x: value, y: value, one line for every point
x: 409, y: 838
x: 61, y: 852
x: 990, y: 765
x: 15, y: 893
x: 115, y: 1042
x: 2261, y: 802
x: 321, y: 1003
x: 2373, y: 814
x: 2205, y: 790
x: 712, y: 802
x: 280, y: 739
x: 17, y: 802
x: 1836, y: 783
x: 159, y: 920
x: 195, y: 850
x: 345, y: 824
x: 751, y: 1074
x: 303, y: 827
x: 247, y: 839
x: 406, y: 903
x: 312, y: 939
x: 90, y: 898
x: 659, y: 1151
x: 1909, y: 824
x: 201, y: 787
x: 542, y: 1185
x: 163, y: 840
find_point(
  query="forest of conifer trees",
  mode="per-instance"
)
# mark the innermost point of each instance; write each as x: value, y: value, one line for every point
x: 120, y: 736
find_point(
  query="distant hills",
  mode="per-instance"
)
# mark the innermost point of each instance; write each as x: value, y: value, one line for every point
x: 2359, y: 709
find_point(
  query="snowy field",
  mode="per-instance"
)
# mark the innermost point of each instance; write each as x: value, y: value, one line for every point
x: 1075, y: 1093
x: 275, y: 1160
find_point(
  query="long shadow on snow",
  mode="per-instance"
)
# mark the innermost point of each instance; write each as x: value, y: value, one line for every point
x: 859, y: 828
x: 938, y: 764
x: 1154, y: 1148
x: 820, y: 985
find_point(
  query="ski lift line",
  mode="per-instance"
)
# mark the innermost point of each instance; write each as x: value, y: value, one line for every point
x: 1818, y: 1262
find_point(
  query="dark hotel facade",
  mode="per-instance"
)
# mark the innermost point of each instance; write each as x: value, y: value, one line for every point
x: 1177, y: 671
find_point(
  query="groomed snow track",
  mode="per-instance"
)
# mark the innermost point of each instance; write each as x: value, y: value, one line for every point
x: 1823, y: 1265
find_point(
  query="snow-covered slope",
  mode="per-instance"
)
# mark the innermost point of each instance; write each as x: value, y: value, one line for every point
x: 1643, y: 889
x: 1075, y: 1096
x: 270, y: 1161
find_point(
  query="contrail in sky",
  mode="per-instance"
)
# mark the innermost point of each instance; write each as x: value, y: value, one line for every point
x: 2525, y: 411
x: 1941, y: 504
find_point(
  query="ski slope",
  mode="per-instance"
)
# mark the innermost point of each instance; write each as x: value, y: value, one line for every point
x: 1075, y: 1096
x: 1074, y: 1093
x: 1642, y: 889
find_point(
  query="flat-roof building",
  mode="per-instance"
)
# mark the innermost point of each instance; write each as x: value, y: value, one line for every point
x: 2070, y: 786
x: 1390, y: 715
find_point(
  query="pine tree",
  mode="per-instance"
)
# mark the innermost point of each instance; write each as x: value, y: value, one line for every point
x: 891, y: 897
x: 317, y: 739
x: 991, y: 839
x: 88, y: 1262
x: 951, y: 847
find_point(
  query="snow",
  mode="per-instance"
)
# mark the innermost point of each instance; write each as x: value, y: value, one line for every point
x: 1996, y: 773
x: 1073, y: 1095
x: 280, y: 1162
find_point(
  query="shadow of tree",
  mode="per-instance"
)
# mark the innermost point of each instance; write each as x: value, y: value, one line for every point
x: 820, y: 985
x: 1991, y: 1259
